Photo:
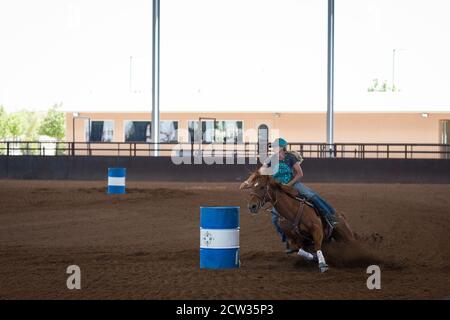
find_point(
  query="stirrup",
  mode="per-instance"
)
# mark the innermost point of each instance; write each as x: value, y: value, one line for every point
x: 333, y: 222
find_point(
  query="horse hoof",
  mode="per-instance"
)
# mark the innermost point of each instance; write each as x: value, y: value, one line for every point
x: 323, y: 267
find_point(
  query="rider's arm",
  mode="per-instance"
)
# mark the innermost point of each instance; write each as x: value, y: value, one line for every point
x: 298, y: 174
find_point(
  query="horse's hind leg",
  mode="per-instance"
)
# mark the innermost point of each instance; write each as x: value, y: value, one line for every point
x: 317, y: 234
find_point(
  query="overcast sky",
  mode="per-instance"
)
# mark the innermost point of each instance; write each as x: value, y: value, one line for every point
x: 223, y: 55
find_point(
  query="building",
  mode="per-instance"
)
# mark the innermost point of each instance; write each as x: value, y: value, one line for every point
x: 350, y: 127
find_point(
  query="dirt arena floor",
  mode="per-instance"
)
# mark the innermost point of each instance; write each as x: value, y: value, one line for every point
x: 145, y: 245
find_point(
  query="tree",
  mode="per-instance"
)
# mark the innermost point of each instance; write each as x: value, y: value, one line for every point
x: 3, y: 119
x: 53, y: 124
x: 31, y: 120
x: 375, y: 87
x: 14, y: 126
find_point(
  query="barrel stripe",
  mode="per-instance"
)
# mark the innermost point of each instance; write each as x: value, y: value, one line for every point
x: 116, y: 181
x: 219, y: 238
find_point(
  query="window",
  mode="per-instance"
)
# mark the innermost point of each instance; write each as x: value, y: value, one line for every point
x: 100, y: 130
x: 141, y: 131
x: 228, y: 131
x: 263, y: 138
x: 168, y: 131
x: 207, y: 131
x: 137, y: 131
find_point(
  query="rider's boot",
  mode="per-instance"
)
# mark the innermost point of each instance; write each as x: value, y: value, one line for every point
x: 332, y: 219
x: 325, y: 211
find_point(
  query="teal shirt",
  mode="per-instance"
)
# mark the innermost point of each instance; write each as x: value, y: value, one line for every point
x: 285, y: 172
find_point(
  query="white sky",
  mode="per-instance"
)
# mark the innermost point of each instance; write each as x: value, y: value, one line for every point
x: 223, y: 55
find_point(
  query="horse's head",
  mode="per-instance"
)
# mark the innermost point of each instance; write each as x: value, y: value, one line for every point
x: 259, y: 185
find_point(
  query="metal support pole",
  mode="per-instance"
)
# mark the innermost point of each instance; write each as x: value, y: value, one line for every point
x: 155, y: 79
x: 73, y: 129
x: 330, y: 79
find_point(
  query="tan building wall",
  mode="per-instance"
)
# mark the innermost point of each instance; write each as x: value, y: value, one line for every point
x: 295, y: 127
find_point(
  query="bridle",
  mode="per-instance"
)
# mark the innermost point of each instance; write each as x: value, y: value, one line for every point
x: 265, y: 198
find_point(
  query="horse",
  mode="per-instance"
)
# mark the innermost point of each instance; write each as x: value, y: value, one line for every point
x: 297, y: 218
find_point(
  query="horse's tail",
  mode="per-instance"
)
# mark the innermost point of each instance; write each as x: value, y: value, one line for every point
x: 343, y: 231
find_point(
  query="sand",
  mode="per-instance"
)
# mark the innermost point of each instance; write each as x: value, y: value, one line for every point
x: 145, y: 245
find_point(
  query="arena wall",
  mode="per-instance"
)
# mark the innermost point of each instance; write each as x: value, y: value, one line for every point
x: 162, y: 169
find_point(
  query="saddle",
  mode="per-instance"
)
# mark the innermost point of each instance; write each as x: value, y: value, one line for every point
x: 295, y: 195
x: 328, y: 227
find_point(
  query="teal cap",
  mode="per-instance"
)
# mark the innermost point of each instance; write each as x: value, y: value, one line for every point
x: 281, y: 142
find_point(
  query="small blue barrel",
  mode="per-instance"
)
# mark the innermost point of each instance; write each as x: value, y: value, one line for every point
x: 116, y: 180
x: 219, y: 237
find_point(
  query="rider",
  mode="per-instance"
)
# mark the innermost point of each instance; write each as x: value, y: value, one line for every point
x: 289, y: 172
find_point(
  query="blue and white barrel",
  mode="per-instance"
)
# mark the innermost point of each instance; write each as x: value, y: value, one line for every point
x: 116, y: 180
x: 219, y: 237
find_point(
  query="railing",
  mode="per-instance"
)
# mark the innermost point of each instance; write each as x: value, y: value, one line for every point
x: 247, y: 149
x: 373, y: 150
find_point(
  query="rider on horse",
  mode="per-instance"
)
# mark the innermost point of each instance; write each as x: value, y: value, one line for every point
x: 289, y: 172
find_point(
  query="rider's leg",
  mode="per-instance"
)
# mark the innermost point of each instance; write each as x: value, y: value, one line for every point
x: 328, y: 211
x: 325, y: 209
x: 277, y: 225
x: 303, y: 190
x: 275, y: 222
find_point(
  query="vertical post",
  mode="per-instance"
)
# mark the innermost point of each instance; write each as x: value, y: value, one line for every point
x: 73, y: 128
x: 155, y: 79
x: 330, y: 79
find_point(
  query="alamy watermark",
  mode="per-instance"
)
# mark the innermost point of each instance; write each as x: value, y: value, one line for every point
x: 74, y: 280
x: 228, y: 153
x: 374, y: 280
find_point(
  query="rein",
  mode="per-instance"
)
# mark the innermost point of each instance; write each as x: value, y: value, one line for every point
x: 263, y: 199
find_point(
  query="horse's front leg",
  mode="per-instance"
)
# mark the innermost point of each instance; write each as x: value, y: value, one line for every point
x: 306, y: 255
x: 317, y: 234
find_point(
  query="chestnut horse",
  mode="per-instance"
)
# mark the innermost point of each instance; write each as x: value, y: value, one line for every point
x: 298, y: 220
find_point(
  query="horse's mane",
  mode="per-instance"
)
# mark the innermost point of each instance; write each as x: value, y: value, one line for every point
x: 290, y: 191
x: 274, y: 184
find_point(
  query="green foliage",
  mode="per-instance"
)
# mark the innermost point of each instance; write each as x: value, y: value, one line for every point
x: 376, y: 87
x: 3, y: 118
x: 2, y: 130
x: 32, y: 121
x: 29, y: 126
x: 53, y: 124
x: 14, y: 126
